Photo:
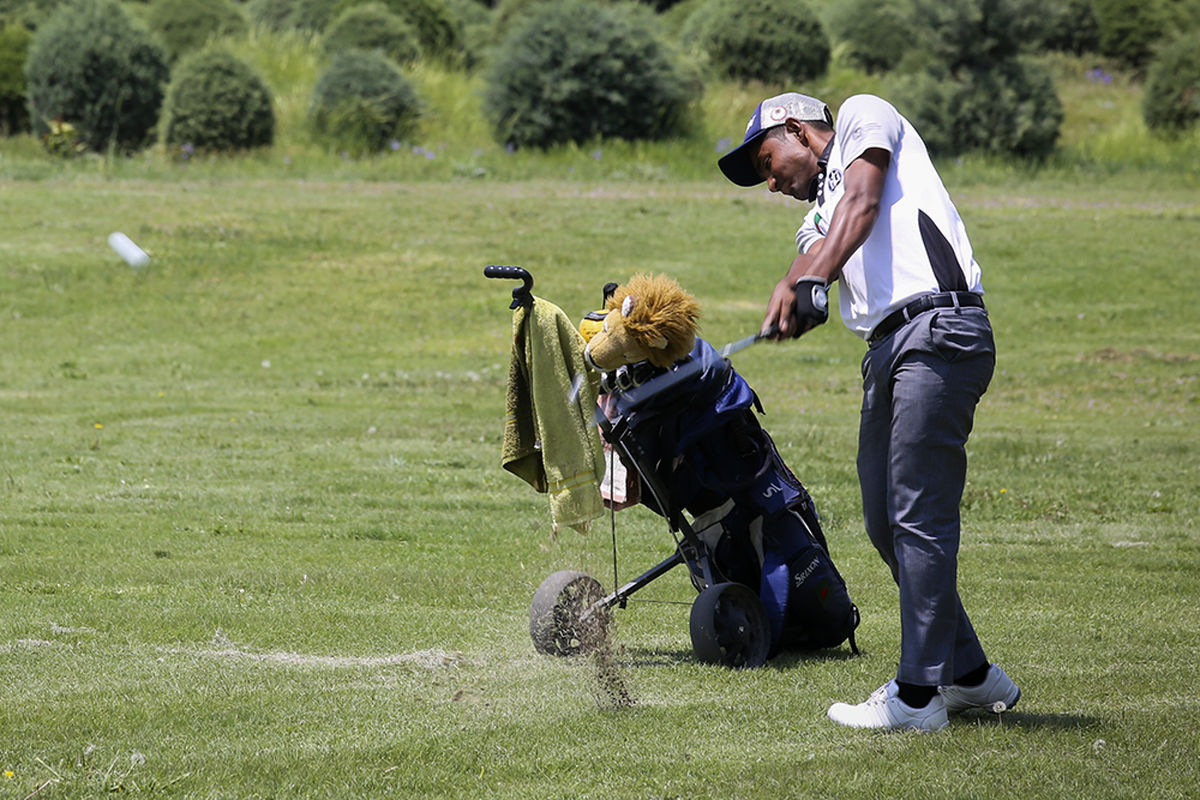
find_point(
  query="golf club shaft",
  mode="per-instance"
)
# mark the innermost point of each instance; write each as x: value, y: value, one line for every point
x: 742, y: 344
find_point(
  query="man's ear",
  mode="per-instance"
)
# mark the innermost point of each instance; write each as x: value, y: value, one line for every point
x: 797, y: 129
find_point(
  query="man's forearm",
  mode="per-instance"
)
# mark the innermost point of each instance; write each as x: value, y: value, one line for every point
x: 852, y: 222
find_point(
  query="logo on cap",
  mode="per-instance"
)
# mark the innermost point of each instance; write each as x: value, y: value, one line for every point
x: 778, y: 113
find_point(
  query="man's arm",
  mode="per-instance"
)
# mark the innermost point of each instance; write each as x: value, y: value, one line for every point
x: 852, y: 223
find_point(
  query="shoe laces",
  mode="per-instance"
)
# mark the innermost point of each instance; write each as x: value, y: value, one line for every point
x: 879, y: 696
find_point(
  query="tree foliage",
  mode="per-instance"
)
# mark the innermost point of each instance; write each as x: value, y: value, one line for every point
x: 574, y: 71
x: 185, y: 25
x: 217, y: 102
x: 968, y: 86
x: 1129, y: 29
x: 438, y: 28
x: 766, y: 40
x: 373, y: 27
x: 362, y: 102
x: 1171, y: 102
x: 14, y: 49
x: 91, y: 67
x: 869, y: 34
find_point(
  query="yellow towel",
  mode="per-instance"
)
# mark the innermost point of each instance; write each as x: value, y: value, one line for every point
x: 550, y: 435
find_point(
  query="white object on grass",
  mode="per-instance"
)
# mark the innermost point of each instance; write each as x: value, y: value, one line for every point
x: 134, y: 256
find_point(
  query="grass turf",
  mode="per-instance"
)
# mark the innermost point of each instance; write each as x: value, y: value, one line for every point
x: 256, y: 541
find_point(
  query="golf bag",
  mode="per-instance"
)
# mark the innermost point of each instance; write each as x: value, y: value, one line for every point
x: 694, y: 439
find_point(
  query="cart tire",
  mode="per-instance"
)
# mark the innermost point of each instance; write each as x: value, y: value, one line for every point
x: 556, y: 615
x: 729, y: 626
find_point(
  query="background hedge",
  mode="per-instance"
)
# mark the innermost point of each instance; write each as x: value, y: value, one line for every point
x: 217, y: 102
x: 373, y: 27
x: 765, y: 40
x: 90, y: 66
x: 574, y: 71
x: 183, y: 26
x: 14, y: 49
x: 1171, y: 102
x: 362, y: 103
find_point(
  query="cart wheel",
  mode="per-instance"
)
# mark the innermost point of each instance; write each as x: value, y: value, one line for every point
x: 556, y: 620
x: 729, y: 627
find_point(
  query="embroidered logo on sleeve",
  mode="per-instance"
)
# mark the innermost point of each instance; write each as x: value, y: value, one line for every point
x: 833, y: 180
x: 863, y: 130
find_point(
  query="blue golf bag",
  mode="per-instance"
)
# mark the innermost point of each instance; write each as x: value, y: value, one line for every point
x: 692, y: 435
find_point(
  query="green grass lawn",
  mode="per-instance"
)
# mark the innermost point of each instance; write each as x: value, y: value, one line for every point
x: 255, y: 540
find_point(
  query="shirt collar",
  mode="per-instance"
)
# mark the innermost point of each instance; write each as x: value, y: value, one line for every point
x: 816, y: 189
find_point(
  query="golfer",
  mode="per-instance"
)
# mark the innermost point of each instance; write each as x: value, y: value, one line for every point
x: 883, y: 226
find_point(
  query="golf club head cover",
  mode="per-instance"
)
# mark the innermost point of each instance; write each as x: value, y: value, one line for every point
x: 812, y: 304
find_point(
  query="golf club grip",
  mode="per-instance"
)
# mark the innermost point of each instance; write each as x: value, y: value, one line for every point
x: 513, y: 273
x: 769, y: 333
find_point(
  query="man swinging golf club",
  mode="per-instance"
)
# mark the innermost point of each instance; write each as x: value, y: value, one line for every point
x: 884, y: 227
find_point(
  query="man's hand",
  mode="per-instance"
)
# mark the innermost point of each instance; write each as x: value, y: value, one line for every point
x: 811, y: 306
x: 779, y: 311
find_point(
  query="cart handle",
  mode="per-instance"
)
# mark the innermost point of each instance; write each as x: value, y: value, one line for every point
x: 522, y: 295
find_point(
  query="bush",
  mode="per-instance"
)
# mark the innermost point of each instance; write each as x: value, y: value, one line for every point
x: 438, y: 30
x: 1129, y: 29
x: 373, y: 27
x: 311, y: 16
x: 217, y: 102
x: 185, y: 25
x: 966, y: 88
x: 1069, y: 26
x: 509, y: 12
x: 1171, y: 102
x: 871, y: 35
x: 972, y: 35
x: 89, y: 66
x: 362, y: 102
x: 478, y: 30
x: 1010, y: 109
x: 775, y: 41
x: 573, y: 71
x: 30, y: 13
x: 1181, y: 15
x: 14, y: 49
x: 274, y: 15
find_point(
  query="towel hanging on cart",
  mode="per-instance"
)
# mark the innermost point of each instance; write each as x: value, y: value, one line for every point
x: 550, y: 437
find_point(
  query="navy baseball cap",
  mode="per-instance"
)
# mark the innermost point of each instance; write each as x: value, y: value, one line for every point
x: 738, y: 164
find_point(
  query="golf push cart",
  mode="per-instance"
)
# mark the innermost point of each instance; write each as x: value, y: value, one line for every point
x: 742, y: 523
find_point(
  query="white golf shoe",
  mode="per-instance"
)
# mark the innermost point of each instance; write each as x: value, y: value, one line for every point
x: 885, y: 711
x: 996, y: 694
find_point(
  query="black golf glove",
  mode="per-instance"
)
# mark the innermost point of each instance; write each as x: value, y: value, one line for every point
x: 812, y: 304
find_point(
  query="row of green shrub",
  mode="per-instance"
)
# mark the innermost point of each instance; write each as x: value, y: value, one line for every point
x: 880, y: 36
x: 571, y: 71
x: 97, y: 81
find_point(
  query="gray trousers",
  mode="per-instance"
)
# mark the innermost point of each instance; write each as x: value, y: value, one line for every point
x: 920, y: 388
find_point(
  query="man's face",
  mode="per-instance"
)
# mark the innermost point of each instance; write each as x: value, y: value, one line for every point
x: 787, y: 164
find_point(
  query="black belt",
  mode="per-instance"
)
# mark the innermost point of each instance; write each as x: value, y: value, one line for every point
x: 902, y: 316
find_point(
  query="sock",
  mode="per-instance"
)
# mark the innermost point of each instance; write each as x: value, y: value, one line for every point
x: 974, y: 677
x: 914, y: 695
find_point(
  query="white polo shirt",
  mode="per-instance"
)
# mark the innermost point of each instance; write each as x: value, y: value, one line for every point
x: 918, y: 244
